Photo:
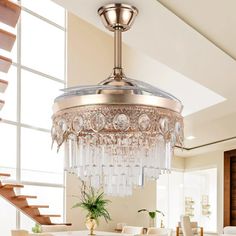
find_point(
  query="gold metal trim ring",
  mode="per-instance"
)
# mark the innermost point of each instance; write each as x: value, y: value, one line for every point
x: 118, y: 99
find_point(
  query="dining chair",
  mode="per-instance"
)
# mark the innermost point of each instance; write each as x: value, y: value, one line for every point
x: 196, y: 230
x: 132, y: 230
x: 229, y: 230
x: 119, y: 227
x: 19, y: 232
x: 186, y: 226
x: 158, y: 231
x: 162, y: 234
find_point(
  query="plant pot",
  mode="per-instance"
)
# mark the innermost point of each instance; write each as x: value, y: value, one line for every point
x: 91, y: 225
x: 152, y: 222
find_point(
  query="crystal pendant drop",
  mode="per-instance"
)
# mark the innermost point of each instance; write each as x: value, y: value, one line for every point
x: 121, y: 122
x: 78, y: 123
x: 144, y: 122
x: 98, y: 122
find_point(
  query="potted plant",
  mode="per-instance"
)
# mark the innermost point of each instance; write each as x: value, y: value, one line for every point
x: 152, y: 216
x: 94, y: 203
x: 37, y: 229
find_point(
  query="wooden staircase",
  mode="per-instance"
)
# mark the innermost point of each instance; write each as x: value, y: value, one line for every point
x: 7, y: 191
x: 9, y: 15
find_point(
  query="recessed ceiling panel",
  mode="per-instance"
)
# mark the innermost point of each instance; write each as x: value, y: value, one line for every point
x: 194, y: 96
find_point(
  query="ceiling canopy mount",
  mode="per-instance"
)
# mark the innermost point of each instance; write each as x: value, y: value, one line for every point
x: 118, y: 16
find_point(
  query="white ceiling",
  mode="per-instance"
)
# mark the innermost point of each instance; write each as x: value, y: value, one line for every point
x: 192, y: 43
x: 214, y: 19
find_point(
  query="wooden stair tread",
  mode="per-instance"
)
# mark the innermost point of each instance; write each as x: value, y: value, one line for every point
x: 49, y: 215
x: 1, y: 104
x: 9, y: 12
x: 7, y: 40
x: 9, y: 186
x: 5, y: 64
x: 3, y: 86
x: 24, y: 197
x: 4, y: 174
x: 37, y: 206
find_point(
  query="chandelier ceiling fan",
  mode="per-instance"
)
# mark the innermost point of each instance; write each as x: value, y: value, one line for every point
x: 119, y: 131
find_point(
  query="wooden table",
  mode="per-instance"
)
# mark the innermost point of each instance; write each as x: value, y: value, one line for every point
x: 83, y: 233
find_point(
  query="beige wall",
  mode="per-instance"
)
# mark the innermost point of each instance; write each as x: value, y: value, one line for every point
x: 121, y: 209
x: 89, y: 53
x: 178, y: 163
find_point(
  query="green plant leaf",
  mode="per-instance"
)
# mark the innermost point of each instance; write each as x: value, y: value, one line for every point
x: 142, y: 210
x: 94, y: 203
x: 160, y: 212
x: 152, y: 214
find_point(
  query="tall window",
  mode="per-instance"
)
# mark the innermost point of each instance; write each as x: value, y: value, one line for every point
x: 192, y: 193
x: 37, y: 74
x: 201, y: 187
x: 170, y: 198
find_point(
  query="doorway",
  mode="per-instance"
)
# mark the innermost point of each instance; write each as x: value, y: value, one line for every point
x: 230, y: 188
